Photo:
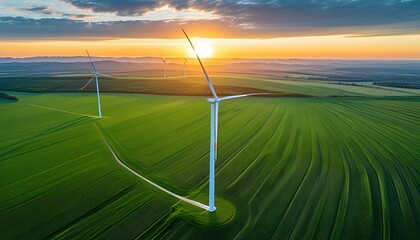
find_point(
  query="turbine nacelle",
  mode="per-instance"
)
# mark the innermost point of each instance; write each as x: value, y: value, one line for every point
x: 213, y: 100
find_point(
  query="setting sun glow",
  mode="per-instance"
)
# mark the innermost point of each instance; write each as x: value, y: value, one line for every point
x: 204, y: 50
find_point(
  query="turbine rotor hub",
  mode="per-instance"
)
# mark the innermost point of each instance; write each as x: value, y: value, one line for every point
x: 213, y: 100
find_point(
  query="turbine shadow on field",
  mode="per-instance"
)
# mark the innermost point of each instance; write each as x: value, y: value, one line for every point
x: 92, y: 211
x: 27, y: 142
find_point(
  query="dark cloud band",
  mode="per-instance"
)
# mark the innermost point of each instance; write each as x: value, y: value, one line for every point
x: 276, y: 14
x: 19, y: 27
x: 238, y: 19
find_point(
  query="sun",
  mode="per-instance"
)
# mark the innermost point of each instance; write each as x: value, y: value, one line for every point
x: 204, y: 50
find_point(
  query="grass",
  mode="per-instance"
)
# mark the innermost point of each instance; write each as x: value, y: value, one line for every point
x: 297, y: 168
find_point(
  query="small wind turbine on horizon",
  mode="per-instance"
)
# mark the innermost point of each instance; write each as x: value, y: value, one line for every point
x: 96, y: 74
x: 185, y: 68
x: 214, y: 115
x: 164, y: 67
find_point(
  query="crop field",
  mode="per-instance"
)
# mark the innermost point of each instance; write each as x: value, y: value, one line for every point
x: 298, y: 168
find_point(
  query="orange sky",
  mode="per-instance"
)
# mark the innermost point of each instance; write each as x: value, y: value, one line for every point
x: 392, y: 47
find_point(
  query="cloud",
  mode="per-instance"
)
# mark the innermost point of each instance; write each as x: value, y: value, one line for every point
x: 48, y: 11
x: 237, y: 19
x: 42, y: 10
x: 121, y: 7
x: 76, y: 16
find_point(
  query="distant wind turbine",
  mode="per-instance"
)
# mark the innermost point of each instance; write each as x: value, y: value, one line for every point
x: 164, y: 67
x: 185, y: 68
x: 96, y: 74
x: 214, y: 115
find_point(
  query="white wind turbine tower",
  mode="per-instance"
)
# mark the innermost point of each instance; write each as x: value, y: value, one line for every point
x: 185, y: 68
x: 214, y: 115
x: 164, y: 67
x: 96, y: 74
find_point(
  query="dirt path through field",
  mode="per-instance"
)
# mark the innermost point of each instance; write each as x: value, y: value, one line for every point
x: 195, y: 203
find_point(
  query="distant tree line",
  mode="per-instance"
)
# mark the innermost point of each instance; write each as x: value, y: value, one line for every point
x: 399, y: 84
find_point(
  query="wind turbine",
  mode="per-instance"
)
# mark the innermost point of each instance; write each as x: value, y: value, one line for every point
x: 96, y: 74
x: 164, y: 67
x: 214, y: 115
x: 185, y: 68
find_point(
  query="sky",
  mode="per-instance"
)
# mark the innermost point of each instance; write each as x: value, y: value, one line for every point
x: 384, y: 29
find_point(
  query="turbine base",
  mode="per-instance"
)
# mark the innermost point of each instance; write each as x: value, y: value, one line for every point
x: 212, y: 209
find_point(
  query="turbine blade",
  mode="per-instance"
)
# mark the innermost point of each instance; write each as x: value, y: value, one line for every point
x: 202, y: 67
x: 106, y: 75
x: 88, y: 82
x: 233, y: 97
x: 90, y: 59
x: 242, y: 95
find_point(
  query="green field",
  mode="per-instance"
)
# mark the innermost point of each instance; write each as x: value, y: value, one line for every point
x: 298, y: 168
